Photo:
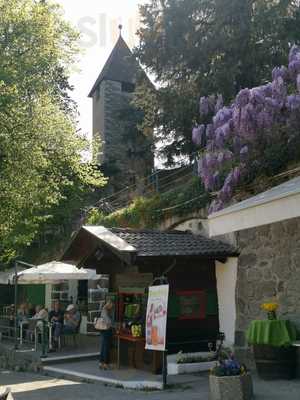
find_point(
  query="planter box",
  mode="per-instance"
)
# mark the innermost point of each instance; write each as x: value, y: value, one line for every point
x: 231, y: 387
x: 189, y: 368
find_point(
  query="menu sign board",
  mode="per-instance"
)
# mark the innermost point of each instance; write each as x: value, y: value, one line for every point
x: 156, y: 317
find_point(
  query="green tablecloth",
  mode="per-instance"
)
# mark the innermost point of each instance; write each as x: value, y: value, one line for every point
x: 273, y: 332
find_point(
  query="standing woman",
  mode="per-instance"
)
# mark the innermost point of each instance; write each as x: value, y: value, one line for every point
x: 106, y: 334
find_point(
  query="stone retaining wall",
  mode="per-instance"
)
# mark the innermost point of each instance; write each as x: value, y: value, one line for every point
x: 268, y: 267
x: 19, y: 361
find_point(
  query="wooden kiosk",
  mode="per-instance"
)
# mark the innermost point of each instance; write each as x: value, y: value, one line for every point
x: 133, y: 259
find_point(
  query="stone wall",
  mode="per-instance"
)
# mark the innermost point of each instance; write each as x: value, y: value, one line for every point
x: 117, y: 144
x: 19, y: 361
x: 268, y: 269
x: 98, y: 122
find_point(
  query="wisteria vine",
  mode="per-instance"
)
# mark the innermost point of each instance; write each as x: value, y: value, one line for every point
x: 229, y: 143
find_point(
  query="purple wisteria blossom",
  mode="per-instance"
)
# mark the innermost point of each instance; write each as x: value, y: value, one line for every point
x: 257, y: 97
x: 265, y: 119
x: 219, y: 103
x: 281, y: 72
x: 210, y: 160
x: 198, y: 135
x: 215, y: 206
x: 203, y: 106
x: 294, y: 53
x: 267, y: 89
x: 294, y: 61
x: 236, y: 175
x: 293, y: 102
x: 242, y: 98
x: 298, y: 83
x: 279, y: 91
x: 235, y: 132
x: 220, y: 139
x: 222, y: 116
x: 209, y: 131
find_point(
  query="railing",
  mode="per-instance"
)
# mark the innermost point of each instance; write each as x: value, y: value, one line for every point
x: 160, y: 182
x: 28, y: 332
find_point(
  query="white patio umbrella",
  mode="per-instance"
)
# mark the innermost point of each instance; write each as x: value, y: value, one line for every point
x: 54, y: 271
x: 51, y: 272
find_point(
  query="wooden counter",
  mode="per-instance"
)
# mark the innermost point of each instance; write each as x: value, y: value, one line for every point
x: 133, y: 350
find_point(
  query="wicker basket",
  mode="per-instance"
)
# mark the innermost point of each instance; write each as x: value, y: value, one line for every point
x: 231, y: 387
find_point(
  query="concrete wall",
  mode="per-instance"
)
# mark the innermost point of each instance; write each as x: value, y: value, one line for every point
x: 196, y: 222
x: 198, y: 226
x: 268, y: 269
x: 226, y: 274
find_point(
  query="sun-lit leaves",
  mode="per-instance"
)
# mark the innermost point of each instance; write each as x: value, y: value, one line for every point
x: 40, y: 151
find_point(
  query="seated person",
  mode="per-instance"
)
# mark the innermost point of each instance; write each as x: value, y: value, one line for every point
x: 71, y: 319
x: 37, y: 309
x: 31, y: 310
x: 22, y: 313
x: 56, y: 317
x: 41, y: 314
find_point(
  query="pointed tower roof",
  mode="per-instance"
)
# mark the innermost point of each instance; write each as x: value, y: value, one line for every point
x: 121, y: 65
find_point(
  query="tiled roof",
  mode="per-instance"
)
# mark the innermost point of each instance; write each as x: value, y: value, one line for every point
x: 174, y: 243
x: 121, y: 66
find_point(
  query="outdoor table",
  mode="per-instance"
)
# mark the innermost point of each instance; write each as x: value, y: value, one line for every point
x: 128, y: 338
x: 274, y: 332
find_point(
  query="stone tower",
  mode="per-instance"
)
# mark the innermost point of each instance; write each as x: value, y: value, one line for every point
x: 126, y: 156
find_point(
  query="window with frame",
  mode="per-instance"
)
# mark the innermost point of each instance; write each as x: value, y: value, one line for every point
x: 128, y: 87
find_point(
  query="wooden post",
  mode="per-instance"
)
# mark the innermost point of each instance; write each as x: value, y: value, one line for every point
x: 16, y: 305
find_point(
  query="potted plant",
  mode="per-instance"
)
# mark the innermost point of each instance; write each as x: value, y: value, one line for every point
x: 272, y: 340
x: 230, y: 380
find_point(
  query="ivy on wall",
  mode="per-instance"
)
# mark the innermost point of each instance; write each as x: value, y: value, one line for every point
x: 151, y: 211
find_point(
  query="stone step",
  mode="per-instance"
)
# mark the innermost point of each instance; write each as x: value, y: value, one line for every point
x: 57, y: 358
x: 63, y: 371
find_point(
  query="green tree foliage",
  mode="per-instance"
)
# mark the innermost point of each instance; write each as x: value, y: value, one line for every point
x: 208, y: 46
x: 150, y: 212
x: 40, y: 152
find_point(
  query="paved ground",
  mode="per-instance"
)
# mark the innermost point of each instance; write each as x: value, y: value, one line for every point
x: 34, y: 387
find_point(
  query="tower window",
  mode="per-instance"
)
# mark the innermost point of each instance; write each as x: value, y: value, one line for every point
x: 98, y: 93
x: 128, y: 87
x: 132, y: 180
